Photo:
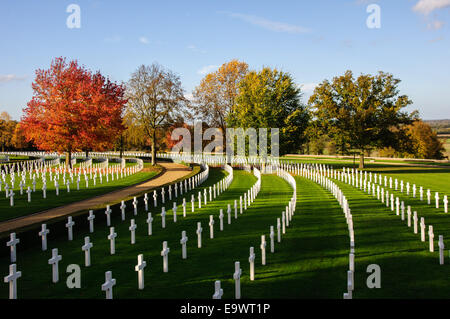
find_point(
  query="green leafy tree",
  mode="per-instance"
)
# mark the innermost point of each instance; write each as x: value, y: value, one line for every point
x: 367, y: 112
x: 270, y: 99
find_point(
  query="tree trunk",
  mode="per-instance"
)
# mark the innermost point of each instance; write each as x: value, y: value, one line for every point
x: 361, y: 160
x: 69, y: 159
x: 153, y: 137
x: 121, y: 146
x: 87, y: 153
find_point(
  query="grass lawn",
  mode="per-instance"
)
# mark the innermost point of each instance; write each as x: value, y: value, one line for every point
x: 38, y: 203
x: 408, y: 269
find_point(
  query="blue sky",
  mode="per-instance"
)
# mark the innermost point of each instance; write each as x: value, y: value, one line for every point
x: 312, y: 40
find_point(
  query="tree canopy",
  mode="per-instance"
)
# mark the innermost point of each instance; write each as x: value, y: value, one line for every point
x: 155, y: 96
x: 73, y: 109
x: 366, y: 112
x: 270, y: 99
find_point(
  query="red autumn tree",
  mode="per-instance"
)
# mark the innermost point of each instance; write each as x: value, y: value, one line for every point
x: 73, y: 109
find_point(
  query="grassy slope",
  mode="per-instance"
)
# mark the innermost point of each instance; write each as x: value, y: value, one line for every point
x: 22, y: 207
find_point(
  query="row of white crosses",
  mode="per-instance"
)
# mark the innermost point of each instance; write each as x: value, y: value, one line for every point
x: 238, y: 271
x: 218, y: 291
x: 377, y: 179
x: 89, y: 174
x: 398, y: 206
x: 86, y: 248
x: 318, y: 174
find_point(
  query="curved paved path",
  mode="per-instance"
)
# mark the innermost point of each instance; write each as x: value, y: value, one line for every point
x: 172, y: 172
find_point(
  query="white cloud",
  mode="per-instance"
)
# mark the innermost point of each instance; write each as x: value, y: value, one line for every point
x: 435, y: 25
x: 207, y: 69
x: 144, y: 40
x: 269, y: 24
x: 428, y: 6
x: 11, y: 77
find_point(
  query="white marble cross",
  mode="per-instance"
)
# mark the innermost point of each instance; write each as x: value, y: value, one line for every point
x: 108, y: 285
x: 112, y: 239
x: 218, y: 292
x: 221, y: 220
x: 431, y: 237
x: 278, y: 230
x: 283, y: 223
x: 415, y: 219
x: 108, y: 212
x: 29, y: 194
x: 69, y: 226
x: 163, y: 217
x: 192, y: 203
x: 12, y: 243
x: 251, y: 260
x: 229, y: 216
x: 135, y: 203
x: 211, y: 226
x: 436, y: 197
x: 132, y: 229
x: 422, y: 229
x: 140, y: 270
x: 174, y: 211
x: 165, y: 254
x: 12, y: 280
x: 237, y: 279
x: 149, y: 222
x: 184, y: 207
x: 263, y: 249
x: 146, y: 202
x: 402, y: 207
x: 421, y: 193
x: 199, y: 234
x: 409, y: 215
x: 122, y: 209
x: 11, y: 197
x: 43, y: 233
x: 235, y: 207
x: 91, y: 218
x: 240, y: 204
x: 87, y: 251
x: 445, y: 204
x: 199, y: 199
x: 441, y: 249
x: 155, y: 199
x: 272, y: 240
x: 183, y: 242
x: 54, y: 261
x: 429, y: 196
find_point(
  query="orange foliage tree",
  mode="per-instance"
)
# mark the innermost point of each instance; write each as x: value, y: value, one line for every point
x: 73, y: 109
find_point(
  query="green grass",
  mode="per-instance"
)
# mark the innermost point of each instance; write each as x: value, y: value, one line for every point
x: 38, y: 203
x: 408, y: 269
x: 310, y: 262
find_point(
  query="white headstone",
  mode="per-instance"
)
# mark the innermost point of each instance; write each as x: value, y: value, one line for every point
x: 108, y: 285
x: 183, y: 242
x: 54, y: 262
x: 12, y: 280
x: 87, y: 251
x: 165, y: 254
x: 140, y: 270
x: 237, y: 279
